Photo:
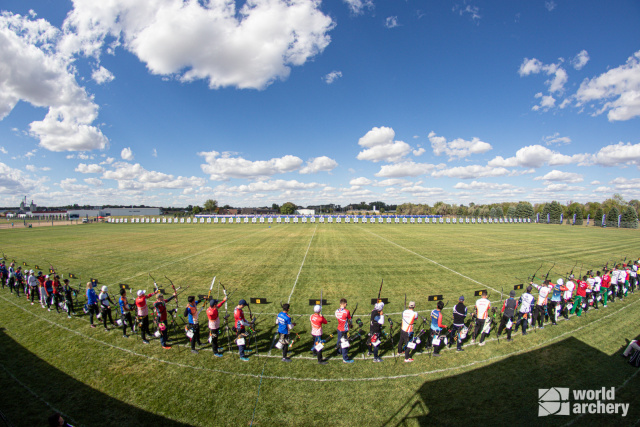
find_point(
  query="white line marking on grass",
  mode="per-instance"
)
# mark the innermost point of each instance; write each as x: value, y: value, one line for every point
x: 67, y: 417
x: 301, y: 265
x: 187, y: 257
x: 273, y: 377
x: 258, y: 396
x: 430, y: 260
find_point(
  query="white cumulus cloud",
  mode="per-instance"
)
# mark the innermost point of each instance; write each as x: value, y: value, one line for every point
x: 33, y: 72
x: 381, y: 147
x: 580, y: 60
x: 472, y: 171
x: 92, y: 168
x: 319, y: 164
x: 556, y: 139
x: 135, y: 177
x: 398, y: 170
x: 360, y: 181
x: 126, y: 154
x: 534, y: 156
x: 391, y: 22
x: 249, y: 47
x: 458, y: 148
x: 93, y: 181
x: 358, y: 6
x: 101, y: 75
x: 332, y: 77
x: 477, y: 185
x: 618, y: 90
x: 221, y: 167
x: 618, y: 154
x: 559, y: 176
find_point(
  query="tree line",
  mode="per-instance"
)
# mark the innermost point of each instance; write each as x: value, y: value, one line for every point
x: 554, y: 211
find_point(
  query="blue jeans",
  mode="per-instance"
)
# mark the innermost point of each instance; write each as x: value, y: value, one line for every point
x: 343, y: 351
x: 241, y: 347
x: 455, y: 334
x: 164, y: 335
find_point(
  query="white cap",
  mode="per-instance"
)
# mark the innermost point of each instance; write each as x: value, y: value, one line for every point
x: 317, y: 308
x: 46, y: 277
x: 31, y: 271
x: 560, y: 282
x: 140, y: 292
x: 104, y: 288
x: 379, y: 306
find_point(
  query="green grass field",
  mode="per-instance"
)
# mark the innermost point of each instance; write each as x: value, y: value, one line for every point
x: 99, y: 378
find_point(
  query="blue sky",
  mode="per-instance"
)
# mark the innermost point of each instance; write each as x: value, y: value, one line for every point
x: 171, y: 102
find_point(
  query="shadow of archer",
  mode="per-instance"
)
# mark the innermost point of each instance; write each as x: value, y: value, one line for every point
x: 85, y: 405
x: 506, y: 392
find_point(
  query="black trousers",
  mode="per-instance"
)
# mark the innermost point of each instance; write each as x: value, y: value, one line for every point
x: 405, y: 338
x: 436, y: 348
x: 317, y: 339
x: 33, y: 290
x: 195, y: 327
x: 214, y: 339
x: 552, y: 311
x: 93, y: 309
x: 126, y: 320
x: 70, y: 309
x: 538, y: 315
x: 503, y: 324
x: 56, y: 299
x: 106, y: 312
x: 479, y: 327
x: 144, y: 327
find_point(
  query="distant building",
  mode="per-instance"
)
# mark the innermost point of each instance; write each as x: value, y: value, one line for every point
x: 94, y: 213
x: 258, y: 211
x: 47, y: 214
x: 24, y: 208
x: 305, y: 212
x: 228, y: 211
x: 132, y: 211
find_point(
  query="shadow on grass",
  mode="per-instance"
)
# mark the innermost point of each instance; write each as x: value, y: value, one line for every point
x: 85, y: 405
x: 506, y: 392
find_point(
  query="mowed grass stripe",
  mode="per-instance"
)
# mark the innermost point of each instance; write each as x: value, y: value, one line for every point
x: 346, y: 262
x: 180, y: 389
